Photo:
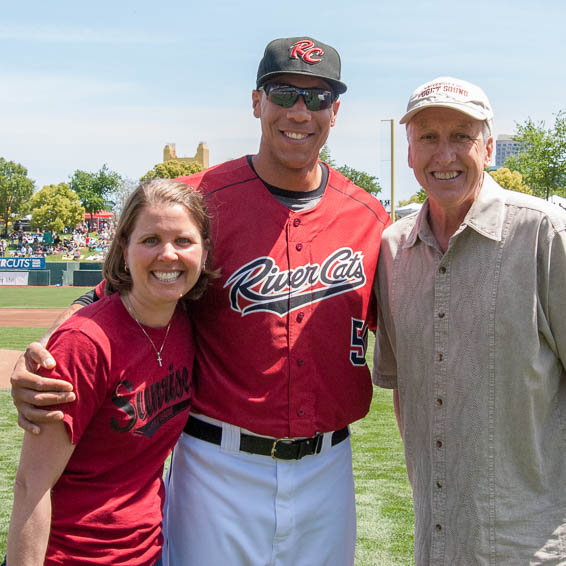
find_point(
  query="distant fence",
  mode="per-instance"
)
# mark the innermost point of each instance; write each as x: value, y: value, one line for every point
x: 36, y: 271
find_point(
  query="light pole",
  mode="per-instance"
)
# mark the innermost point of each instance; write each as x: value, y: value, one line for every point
x: 392, y: 122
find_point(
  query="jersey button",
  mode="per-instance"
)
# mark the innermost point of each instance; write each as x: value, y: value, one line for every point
x: 300, y: 412
x: 300, y: 316
x: 299, y: 247
x: 296, y: 222
x: 300, y: 363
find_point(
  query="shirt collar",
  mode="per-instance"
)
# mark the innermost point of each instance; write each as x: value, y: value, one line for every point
x: 485, y: 216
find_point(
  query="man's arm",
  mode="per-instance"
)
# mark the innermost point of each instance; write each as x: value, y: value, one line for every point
x: 30, y: 390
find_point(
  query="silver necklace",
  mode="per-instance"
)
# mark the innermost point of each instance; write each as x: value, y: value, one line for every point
x: 133, y: 313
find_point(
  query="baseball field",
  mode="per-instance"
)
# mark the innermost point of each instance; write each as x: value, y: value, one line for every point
x: 385, y: 516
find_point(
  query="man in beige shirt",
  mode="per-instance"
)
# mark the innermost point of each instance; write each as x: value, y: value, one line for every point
x: 472, y: 339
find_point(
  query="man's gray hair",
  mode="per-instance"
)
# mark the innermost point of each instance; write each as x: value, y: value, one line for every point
x: 486, y: 131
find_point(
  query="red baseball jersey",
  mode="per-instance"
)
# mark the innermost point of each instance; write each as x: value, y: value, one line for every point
x: 281, y: 336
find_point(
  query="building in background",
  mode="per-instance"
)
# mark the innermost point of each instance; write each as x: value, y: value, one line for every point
x: 201, y: 156
x: 504, y: 147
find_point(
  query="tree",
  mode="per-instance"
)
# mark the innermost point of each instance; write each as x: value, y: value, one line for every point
x: 55, y: 207
x: 512, y: 180
x: 542, y: 161
x: 364, y: 180
x: 420, y: 196
x: 324, y: 155
x: 93, y: 189
x: 171, y: 170
x: 15, y: 190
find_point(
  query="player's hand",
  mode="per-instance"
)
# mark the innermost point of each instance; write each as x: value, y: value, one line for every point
x: 31, y: 391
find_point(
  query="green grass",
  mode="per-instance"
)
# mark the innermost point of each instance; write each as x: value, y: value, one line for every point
x: 383, y: 495
x: 85, y: 254
x: 39, y: 297
x: 17, y: 338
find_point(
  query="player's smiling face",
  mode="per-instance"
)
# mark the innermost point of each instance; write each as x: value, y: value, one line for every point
x: 448, y: 154
x: 164, y: 255
x: 292, y: 137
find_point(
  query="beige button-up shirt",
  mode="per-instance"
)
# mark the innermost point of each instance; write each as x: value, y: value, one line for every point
x: 475, y: 341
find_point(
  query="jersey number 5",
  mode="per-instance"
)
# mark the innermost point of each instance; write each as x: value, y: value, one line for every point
x: 359, y: 343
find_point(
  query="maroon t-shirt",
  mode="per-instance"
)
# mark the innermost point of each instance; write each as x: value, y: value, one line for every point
x: 128, y: 415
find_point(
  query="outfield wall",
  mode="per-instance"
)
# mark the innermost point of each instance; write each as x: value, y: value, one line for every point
x: 24, y: 271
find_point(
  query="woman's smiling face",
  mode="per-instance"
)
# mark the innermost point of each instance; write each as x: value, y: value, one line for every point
x: 164, y: 255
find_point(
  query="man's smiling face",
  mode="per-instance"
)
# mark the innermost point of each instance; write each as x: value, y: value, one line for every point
x: 291, y: 138
x: 448, y: 154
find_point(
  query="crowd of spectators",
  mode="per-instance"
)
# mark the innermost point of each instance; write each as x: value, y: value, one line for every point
x: 73, y: 244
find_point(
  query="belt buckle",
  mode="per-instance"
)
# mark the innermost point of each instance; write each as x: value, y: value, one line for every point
x: 285, y: 439
x: 316, y: 441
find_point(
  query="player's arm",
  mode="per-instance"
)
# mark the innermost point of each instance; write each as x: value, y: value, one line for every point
x: 42, y: 461
x: 29, y: 390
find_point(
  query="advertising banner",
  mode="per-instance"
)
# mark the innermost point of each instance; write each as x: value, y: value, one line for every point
x: 22, y: 263
x: 14, y: 277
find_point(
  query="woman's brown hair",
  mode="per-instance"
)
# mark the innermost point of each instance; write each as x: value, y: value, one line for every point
x: 157, y: 192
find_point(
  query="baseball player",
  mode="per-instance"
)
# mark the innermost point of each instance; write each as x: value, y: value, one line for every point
x: 263, y: 472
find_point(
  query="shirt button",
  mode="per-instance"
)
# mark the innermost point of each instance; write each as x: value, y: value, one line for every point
x: 439, y: 402
x: 440, y: 315
x: 439, y: 485
x: 300, y: 412
x: 439, y: 443
x: 442, y: 270
x: 438, y: 527
x: 300, y: 316
x: 300, y: 363
x: 299, y: 247
x: 296, y: 222
x: 440, y: 357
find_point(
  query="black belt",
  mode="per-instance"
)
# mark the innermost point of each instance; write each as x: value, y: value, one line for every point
x: 279, y: 448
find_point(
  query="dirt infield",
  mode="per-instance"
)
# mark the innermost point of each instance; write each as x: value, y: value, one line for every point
x: 28, y: 317
x: 21, y: 317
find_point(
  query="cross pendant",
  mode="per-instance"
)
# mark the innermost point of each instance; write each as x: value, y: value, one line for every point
x: 159, y: 359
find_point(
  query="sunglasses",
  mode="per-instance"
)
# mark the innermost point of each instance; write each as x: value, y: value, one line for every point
x: 286, y: 96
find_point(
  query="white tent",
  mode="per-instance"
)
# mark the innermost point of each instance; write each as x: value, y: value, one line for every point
x: 408, y: 209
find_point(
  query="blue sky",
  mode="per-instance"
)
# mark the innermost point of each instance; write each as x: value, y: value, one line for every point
x: 85, y: 84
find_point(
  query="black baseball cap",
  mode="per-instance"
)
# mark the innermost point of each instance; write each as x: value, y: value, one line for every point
x: 301, y: 56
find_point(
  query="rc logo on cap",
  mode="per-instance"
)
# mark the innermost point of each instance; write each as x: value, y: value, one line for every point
x: 301, y: 55
x: 305, y: 49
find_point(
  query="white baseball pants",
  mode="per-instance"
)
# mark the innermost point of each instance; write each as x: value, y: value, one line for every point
x: 229, y: 508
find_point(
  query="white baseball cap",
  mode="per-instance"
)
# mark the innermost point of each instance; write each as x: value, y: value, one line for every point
x: 448, y: 92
